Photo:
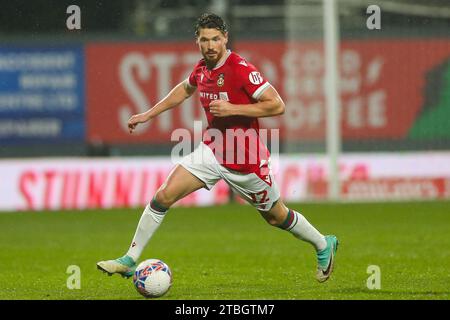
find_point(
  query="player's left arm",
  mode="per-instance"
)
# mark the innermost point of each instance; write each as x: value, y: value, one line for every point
x: 269, y: 104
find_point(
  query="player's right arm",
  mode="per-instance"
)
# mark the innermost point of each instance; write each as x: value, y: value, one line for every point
x: 175, y: 97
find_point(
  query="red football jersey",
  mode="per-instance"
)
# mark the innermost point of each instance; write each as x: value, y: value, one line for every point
x: 235, y: 80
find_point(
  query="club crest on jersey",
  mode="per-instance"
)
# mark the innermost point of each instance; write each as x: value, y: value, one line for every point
x: 221, y: 80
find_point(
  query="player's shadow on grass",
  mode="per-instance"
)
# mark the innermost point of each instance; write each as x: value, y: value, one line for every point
x: 381, y: 292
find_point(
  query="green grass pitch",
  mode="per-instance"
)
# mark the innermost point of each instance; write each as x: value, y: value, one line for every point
x: 229, y: 252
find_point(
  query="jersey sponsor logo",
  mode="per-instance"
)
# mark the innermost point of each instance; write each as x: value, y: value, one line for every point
x: 223, y: 96
x: 255, y: 77
x: 209, y: 95
x: 221, y: 80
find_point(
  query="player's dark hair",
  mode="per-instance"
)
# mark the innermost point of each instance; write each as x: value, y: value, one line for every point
x: 210, y: 21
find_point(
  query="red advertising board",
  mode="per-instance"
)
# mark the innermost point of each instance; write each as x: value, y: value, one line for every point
x: 382, y: 86
x: 55, y: 184
x: 124, y: 79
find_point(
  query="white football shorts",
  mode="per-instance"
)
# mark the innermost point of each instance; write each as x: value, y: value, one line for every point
x: 260, y: 191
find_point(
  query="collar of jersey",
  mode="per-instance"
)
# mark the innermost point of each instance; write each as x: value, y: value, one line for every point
x: 224, y: 60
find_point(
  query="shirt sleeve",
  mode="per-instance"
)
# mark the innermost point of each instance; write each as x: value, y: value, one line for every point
x: 253, y: 83
x: 192, y: 80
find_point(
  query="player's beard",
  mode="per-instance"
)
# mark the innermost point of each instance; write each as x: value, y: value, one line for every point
x: 212, y: 62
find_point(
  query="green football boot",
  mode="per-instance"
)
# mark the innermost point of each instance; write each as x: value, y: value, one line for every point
x: 325, y: 259
x: 125, y: 266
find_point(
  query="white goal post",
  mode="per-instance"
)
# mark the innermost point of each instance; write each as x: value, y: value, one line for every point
x: 332, y: 96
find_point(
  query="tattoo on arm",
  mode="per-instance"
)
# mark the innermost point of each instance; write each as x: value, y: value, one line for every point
x: 188, y: 88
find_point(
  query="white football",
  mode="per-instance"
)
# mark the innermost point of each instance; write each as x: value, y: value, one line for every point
x: 152, y: 278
